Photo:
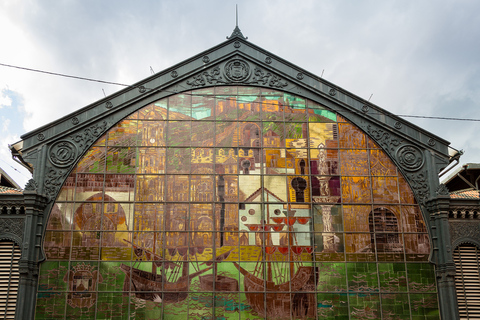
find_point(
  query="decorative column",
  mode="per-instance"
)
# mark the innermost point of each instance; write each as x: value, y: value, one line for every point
x: 35, y: 205
x: 442, y: 253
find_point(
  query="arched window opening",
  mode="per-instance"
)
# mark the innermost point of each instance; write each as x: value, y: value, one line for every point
x: 383, y: 225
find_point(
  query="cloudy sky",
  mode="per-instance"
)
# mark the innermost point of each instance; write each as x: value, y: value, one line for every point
x: 416, y: 57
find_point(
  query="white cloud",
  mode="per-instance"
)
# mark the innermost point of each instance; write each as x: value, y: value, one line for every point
x: 415, y: 57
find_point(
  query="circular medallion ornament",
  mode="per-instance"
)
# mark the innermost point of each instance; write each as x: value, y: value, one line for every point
x: 268, y: 60
x: 299, y: 76
x: 332, y: 92
x: 398, y: 125
x: 108, y: 105
x: 41, y: 137
x: 237, y: 44
x: 62, y: 153
x: 75, y: 120
x: 365, y: 108
x: 410, y: 157
x: 142, y: 89
x: 206, y: 59
x: 237, y: 70
x: 431, y: 142
x: 174, y: 74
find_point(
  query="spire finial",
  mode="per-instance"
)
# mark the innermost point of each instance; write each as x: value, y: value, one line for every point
x: 236, y: 32
x: 236, y: 15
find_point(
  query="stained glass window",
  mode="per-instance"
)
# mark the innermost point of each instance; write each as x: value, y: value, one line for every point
x: 236, y: 203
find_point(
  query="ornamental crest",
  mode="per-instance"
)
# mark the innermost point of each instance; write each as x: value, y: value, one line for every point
x: 82, y: 281
x: 237, y: 70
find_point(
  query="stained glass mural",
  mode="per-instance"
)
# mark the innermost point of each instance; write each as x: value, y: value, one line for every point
x: 236, y: 203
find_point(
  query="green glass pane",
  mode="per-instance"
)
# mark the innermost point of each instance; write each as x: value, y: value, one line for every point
x: 331, y: 277
x: 112, y: 305
x: 52, y: 274
x: 421, y: 277
x: 332, y: 306
x: 424, y: 306
x: 362, y: 277
x: 393, y: 277
x: 50, y: 305
x: 395, y: 306
x: 364, y: 306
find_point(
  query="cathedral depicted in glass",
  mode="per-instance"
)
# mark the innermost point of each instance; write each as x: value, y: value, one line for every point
x: 236, y: 202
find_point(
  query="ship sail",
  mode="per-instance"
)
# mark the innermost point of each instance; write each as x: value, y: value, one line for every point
x: 147, y: 285
x: 286, y: 295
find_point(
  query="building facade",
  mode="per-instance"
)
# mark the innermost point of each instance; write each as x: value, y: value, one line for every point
x: 234, y: 185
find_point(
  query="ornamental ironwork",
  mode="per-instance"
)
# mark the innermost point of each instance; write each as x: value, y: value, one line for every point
x: 237, y: 70
x: 62, y: 153
x: 410, y: 157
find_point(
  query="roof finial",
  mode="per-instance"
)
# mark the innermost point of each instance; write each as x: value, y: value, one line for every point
x: 236, y: 32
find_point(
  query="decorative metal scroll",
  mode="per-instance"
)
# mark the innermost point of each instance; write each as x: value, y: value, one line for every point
x: 236, y: 71
x: 408, y: 157
x: 64, y: 153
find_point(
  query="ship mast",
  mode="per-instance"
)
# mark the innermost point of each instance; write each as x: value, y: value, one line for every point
x: 268, y: 241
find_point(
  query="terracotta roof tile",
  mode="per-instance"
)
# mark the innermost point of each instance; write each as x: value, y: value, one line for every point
x: 466, y: 194
x: 8, y: 190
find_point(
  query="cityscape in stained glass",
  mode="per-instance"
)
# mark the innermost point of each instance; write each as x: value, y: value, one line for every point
x: 236, y: 203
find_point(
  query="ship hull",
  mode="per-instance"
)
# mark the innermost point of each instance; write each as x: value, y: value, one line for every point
x: 221, y: 283
x: 148, y: 286
x: 285, y: 300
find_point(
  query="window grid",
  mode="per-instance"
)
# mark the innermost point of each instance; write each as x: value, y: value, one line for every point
x: 165, y: 173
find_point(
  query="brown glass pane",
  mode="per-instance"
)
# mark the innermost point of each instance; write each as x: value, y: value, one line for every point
x: 226, y: 107
x: 151, y: 160
x: 351, y: 137
x: 249, y: 104
x: 356, y: 218
x: 152, y: 133
x: 272, y: 107
x: 385, y: 190
x: 178, y: 188
x: 148, y: 217
x: 121, y: 160
x: 276, y: 161
x: 116, y: 246
x: 88, y: 215
x: 356, y: 189
x: 88, y: 185
x: 157, y: 111
x: 123, y: 133
x: 227, y: 134
x: 354, y: 162
x: 180, y: 106
x: 57, y: 244
x: 322, y: 135
x: 413, y: 219
x: 406, y: 193
x: 61, y: 216
x: 203, y: 134
x: 202, y: 160
x: 178, y: 160
x: 226, y: 161
x: 93, y: 161
x: 202, y: 188
x: 380, y: 164
x: 179, y: 133
x: 203, y: 104
x: 119, y: 187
